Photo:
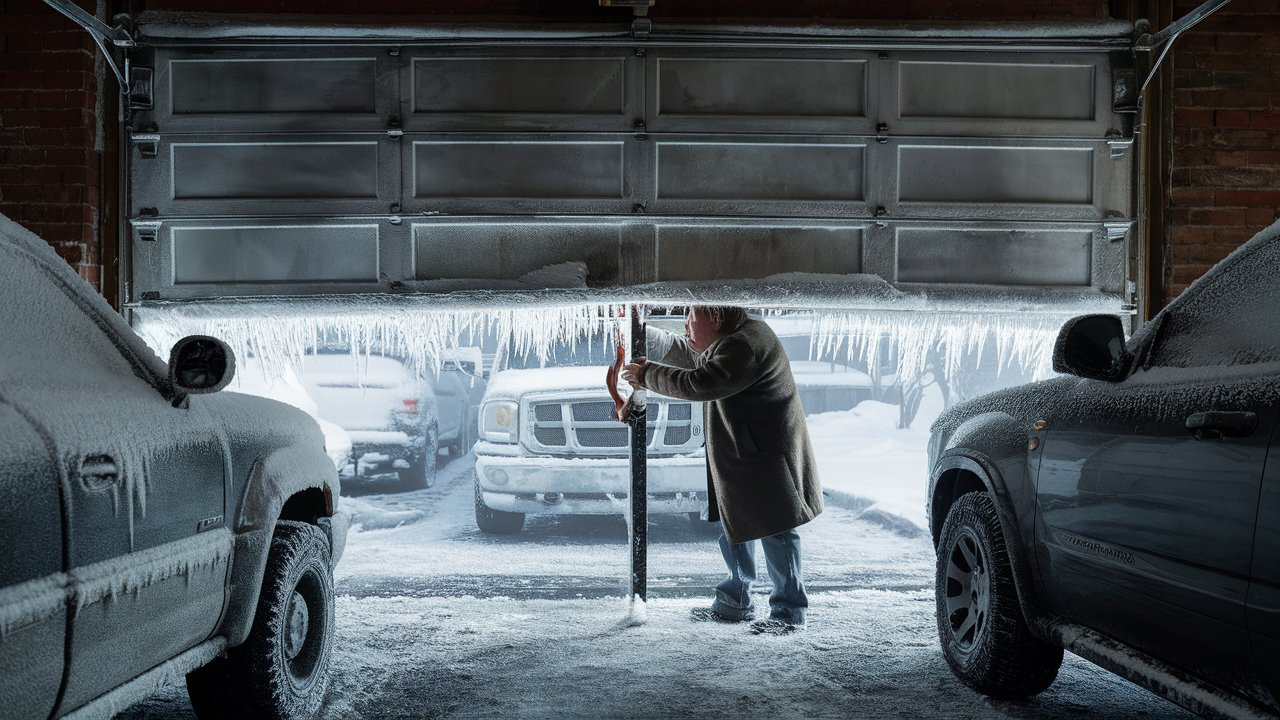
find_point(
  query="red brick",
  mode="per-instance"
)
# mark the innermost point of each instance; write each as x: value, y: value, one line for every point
x: 1191, y: 196
x: 90, y: 273
x: 1216, y: 216
x: 1192, y: 118
x: 1234, y: 236
x: 1231, y: 118
x: 1201, y: 253
x: 1258, y: 217
x: 1192, y: 234
x: 1248, y: 198
x: 1232, y: 43
x: 1189, y: 272
x: 19, y: 118
x: 1264, y: 157
x: 1264, y: 119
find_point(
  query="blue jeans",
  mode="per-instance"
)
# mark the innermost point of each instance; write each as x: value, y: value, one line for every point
x: 782, y: 557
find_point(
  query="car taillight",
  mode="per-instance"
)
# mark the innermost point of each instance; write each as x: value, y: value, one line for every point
x: 411, y: 406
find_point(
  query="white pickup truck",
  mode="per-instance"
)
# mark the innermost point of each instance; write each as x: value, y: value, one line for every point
x: 549, y: 444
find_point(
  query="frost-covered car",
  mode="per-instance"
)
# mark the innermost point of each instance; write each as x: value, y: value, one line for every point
x: 549, y: 444
x: 153, y: 527
x: 398, y: 420
x: 1129, y: 510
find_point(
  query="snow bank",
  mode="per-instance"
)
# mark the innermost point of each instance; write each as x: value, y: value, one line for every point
x: 868, y: 465
x: 370, y: 516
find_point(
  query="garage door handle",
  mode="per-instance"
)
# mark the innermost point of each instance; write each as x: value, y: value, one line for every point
x: 98, y: 472
x: 1215, y: 424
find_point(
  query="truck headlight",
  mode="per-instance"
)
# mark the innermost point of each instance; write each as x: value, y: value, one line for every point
x: 500, y: 421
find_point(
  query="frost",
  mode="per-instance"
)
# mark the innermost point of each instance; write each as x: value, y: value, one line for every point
x: 32, y: 602
x: 128, y: 574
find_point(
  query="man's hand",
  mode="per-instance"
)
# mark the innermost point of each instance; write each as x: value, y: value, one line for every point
x: 634, y: 371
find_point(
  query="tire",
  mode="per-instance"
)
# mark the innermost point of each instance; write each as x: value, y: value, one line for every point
x: 282, y: 669
x: 984, y: 636
x: 496, y: 522
x: 421, y: 474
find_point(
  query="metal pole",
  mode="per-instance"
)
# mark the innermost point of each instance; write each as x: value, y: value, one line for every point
x: 639, y: 496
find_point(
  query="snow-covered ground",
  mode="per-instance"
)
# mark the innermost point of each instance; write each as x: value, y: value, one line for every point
x: 436, y: 619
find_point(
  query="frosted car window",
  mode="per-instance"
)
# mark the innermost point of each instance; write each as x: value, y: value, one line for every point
x: 1229, y: 316
x: 47, y: 336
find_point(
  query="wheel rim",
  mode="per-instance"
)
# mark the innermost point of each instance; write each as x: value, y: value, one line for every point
x: 296, y: 633
x: 968, y: 595
x: 304, y: 633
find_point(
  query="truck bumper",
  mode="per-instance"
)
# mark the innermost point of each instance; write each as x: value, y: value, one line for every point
x: 580, y: 486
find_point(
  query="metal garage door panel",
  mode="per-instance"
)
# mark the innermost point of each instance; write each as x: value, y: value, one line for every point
x: 500, y: 250
x: 960, y: 174
x: 1030, y: 179
x: 1002, y: 94
x: 563, y: 173
x: 692, y: 91
x: 552, y: 89
x: 245, y: 174
x: 760, y: 176
x: 949, y: 255
x: 275, y: 254
x: 202, y: 257
x: 719, y: 252
x: 273, y: 89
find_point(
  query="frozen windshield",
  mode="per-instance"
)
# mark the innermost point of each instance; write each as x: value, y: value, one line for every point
x: 597, y: 351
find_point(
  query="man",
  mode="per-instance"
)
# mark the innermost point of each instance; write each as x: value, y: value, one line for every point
x: 762, y: 480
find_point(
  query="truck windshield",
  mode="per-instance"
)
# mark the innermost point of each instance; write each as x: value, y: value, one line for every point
x: 597, y: 351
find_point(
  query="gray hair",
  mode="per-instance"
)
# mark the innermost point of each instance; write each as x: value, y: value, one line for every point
x: 730, y: 317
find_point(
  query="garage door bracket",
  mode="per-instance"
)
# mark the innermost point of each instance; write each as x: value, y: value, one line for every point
x: 1166, y: 36
x: 114, y: 42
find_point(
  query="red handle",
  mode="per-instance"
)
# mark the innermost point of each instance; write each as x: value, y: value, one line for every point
x: 611, y: 376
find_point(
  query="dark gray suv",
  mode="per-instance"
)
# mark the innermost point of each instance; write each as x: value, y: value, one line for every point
x: 152, y: 526
x: 1129, y: 510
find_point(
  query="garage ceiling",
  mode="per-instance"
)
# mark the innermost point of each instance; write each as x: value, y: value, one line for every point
x: 346, y: 164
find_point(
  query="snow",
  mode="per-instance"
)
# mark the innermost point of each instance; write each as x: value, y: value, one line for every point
x: 32, y: 602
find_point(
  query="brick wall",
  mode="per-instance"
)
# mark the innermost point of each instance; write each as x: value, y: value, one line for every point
x: 1225, y: 154
x: 49, y: 169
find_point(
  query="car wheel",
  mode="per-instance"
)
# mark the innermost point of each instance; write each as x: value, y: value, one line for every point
x: 282, y: 669
x: 421, y: 473
x: 496, y: 522
x: 984, y: 637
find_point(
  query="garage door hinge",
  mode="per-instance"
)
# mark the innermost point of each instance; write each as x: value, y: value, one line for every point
x: 641, y: 27
x: 1118, y: 145
x: 148, y: 144
x: 146, y: 231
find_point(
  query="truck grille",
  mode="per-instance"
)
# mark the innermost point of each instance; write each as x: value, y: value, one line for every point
x: 587, y: 427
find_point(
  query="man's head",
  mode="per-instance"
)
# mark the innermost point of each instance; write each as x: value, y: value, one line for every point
x: 706, y: 323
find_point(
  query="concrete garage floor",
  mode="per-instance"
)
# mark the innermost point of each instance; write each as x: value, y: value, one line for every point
x: 435, y: 619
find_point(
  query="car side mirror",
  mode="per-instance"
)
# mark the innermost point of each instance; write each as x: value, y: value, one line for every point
x: 1092, y: 346
x: 199, y: 364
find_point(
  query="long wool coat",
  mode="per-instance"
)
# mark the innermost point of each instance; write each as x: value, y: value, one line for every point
x: 761, y: 475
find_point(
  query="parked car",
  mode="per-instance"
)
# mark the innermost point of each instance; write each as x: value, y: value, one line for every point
x: 1129, y: 510
x: 153, y: 527
x: 399, y: 420
x: 549, y: 444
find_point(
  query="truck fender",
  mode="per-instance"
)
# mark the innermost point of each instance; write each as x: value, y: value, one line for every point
x: 992, y: 447
x: 274, y: 479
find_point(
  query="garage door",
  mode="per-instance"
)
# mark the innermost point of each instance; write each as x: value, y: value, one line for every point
x: 339, y: 164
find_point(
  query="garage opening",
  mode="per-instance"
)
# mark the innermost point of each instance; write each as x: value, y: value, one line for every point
x: 443, y: 224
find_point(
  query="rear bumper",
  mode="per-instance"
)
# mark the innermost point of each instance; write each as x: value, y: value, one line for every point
x: 597, y: 486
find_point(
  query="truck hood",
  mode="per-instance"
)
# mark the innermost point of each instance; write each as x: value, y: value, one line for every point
x: 257, y: 425
x: 512, y: 384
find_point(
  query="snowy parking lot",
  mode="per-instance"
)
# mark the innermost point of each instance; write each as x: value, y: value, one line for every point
x: 435, y: 619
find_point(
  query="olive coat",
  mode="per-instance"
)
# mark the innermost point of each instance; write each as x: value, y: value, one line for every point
x: 761, y: 474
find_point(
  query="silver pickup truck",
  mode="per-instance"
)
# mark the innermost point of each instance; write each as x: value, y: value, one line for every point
x: 549, y: 444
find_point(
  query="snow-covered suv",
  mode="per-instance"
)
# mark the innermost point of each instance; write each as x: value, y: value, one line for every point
x: 152, y: 527
x: 549, y: 444
x: 1128, y: 510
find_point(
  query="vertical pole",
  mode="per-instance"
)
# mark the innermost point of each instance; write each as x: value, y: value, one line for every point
x: 639, y: 495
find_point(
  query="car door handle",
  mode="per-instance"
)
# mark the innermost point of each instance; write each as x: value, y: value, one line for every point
x: 98, y: 472
x: 1215, y: 424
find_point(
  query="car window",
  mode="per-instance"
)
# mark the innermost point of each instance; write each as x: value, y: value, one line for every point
x: 47, y: 336
x: 1228, y: 318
